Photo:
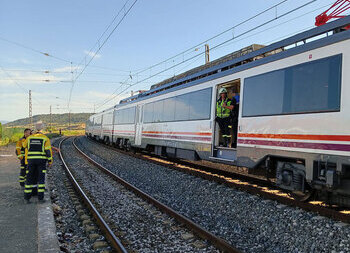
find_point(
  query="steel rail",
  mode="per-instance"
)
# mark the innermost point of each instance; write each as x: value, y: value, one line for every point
x: 200, y: 231
x: 255, y: 185
x: 113, y: 240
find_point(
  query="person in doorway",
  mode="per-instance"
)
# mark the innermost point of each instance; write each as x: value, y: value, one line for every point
x: 20, y: 154
x: 224, y: 106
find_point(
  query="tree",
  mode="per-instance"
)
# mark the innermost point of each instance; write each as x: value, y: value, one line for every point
x: 0, y: 131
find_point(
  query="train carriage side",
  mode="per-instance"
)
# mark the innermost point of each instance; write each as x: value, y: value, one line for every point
x: 123, y: 130
x: 96, y: 129
x: 179, y: 123
x: 107, y: 126
x: 294, y: 118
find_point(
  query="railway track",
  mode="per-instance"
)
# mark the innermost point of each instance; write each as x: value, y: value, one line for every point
x: 109, y: 234
x: 249, y: 183
x: 187, y: 226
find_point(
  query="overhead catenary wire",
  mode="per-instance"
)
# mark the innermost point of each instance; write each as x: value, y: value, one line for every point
x: 190, y: 50
x: 24, y: 90
x: 35, y: 50
x: 98, y: 49
x: 197, y: 55
x: 104, y: 32
x: 196, y: 46
x: 213, y: 37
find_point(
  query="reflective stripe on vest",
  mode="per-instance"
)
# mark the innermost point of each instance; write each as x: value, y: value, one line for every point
x: 221, y: 111
x: 36, y: 148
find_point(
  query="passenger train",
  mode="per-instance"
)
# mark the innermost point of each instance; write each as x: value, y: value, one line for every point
x: 293, y: 113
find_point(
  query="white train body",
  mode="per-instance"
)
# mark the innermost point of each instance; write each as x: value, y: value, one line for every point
x: 293, y: 111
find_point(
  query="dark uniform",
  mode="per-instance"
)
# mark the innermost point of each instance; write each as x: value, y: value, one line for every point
x: 20, y: 154
x: 37, y: 152
x: 223, y: 117
x: 234, y: 113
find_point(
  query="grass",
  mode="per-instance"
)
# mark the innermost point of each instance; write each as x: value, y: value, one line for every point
x: 13, y: 134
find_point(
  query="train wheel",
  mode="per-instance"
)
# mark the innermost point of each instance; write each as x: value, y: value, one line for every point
x: 127, y: 145
x: 303, y: 196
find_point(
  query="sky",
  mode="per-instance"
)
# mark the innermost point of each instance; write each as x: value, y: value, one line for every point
x: 85, y: 55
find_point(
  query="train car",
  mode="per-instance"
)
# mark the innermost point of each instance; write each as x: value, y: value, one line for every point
x: 293, y: 115
x: 94, y: 126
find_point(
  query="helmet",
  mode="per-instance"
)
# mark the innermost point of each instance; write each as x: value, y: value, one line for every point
x: 222, y: 90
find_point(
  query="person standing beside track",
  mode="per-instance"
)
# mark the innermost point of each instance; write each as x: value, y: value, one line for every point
x: 37, y: 152
x: 224, y: 106
x: 20, y: 152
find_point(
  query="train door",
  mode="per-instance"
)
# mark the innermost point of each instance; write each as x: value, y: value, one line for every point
x: 226, y: 124
x: 138, y: 125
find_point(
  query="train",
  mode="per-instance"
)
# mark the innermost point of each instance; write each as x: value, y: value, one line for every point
x: 293, y: 122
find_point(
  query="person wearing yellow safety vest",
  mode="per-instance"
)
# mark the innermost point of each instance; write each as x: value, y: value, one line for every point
x: 224, y: 106
x: 37, y: 152
x: 20, y: 154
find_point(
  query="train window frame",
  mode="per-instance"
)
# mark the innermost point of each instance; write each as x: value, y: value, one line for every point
x: 174, y: 97
x: 122, y: 111
x: 338, y: 57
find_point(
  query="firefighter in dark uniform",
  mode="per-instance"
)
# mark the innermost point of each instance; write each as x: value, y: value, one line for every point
x: 37, y: 152
x: 20, y: 154
x: 224, y: 106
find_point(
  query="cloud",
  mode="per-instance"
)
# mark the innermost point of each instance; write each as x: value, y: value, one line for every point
x: 24, y: 78
x: 92, y: 54
x: 66, y: 69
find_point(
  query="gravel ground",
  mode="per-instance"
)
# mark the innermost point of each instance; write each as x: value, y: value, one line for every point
x: 142, y: 226
x: 248, y: 222
x: 70, y: 232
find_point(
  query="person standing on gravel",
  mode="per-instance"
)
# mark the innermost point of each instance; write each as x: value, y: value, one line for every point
x: 37, y: 152
x: 20, y: 154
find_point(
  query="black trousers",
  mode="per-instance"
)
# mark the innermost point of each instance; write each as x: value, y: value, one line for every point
x: 223, y: 124
x: 36, y: 175
x: 22, y: 172
x: 235, y: 133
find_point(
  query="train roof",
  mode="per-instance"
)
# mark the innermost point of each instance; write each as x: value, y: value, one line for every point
x: 261, y: 55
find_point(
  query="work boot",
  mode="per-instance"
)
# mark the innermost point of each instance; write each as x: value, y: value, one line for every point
x: 42, y: 201
x: 27, y: 201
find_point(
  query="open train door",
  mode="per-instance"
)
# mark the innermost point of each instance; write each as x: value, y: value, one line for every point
x: 225, y: 141
x: 138, y: 125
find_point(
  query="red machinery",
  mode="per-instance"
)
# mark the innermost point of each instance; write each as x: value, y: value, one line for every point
x: 340, y: 6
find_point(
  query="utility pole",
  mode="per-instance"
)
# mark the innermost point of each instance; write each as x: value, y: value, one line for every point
x: 50, y: 119
x: 30, y: 110
x: 69, y: 120
x: 207, y: 59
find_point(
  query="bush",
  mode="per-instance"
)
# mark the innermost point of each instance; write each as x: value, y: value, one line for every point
x: 52, y: 135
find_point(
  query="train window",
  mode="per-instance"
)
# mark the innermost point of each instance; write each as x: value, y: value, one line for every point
x: 158, y: 111
x: 130, y: 112
x: 182, y: 106
x: 98, y: 121
x: 124, y: 116
x: 116, y: 117
x: 306, y: 88
x: 169, y: 109
x: 200, y: 104
x: 148, y: 113
x: 191, y: 106
x: 108, y: 118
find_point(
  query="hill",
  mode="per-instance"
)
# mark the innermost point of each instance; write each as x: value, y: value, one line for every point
x: 57, y: 119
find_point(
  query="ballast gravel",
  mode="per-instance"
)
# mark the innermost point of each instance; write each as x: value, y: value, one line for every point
x: 70, y: 231
x: 247, y: 222
x: 141, y: 226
